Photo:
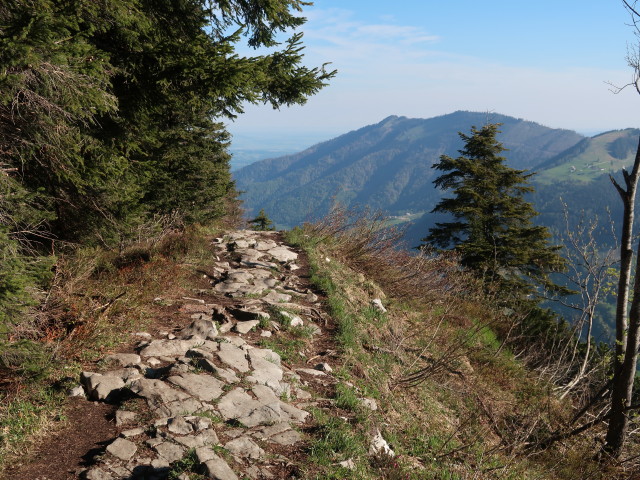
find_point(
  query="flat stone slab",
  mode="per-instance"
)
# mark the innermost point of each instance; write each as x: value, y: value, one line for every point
x: 283, y: 254
x: 264, y: 394
x: 261, y: 273
x: 229, y: 287
x: 264, y: 433
x: 240, y: 276
x: 233, y: 356
x: 217, y: 469
x: 122, y: 448
x: 179, y: 426
x: 245, y: 447
x: 202, y: 439
x: 293, y: 413
x: 124, y: 416
x: 246, y: 327
x: 171, y: 452
x: 132, y: 432
x: 275, y: 298
x: 236, y: 403
x: 150, y: 388
x: 203, y: 387
x: 226, y: 374
x: 169, y: 348
x: 265, y: 283
x: 101, y: 387
x: 290, y: 437
x: 264, y: 245
x: 234, y: 340
x: 97, y: 473
x: 262, y: 415
x: 204, y: 454
x: 178, y: 407
x: 124, y: 359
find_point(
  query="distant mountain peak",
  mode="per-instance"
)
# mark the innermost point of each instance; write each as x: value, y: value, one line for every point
x: 386, y: 165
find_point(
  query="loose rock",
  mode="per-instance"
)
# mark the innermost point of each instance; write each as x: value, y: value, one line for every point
x: 122, y: 449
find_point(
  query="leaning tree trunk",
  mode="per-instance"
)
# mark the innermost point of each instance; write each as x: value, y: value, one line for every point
x: 628, y: 197
x: 624, y: 378
x: 627, y: 327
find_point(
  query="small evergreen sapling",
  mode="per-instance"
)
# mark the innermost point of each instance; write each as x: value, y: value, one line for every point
x: 262, y: 223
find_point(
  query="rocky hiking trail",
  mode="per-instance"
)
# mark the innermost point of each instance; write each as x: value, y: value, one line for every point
x: 205, y: 394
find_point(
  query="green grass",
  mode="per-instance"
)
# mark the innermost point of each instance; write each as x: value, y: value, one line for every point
x: 335, y: 441
x: 589, y: 164
x: 288, y: 348
x: 31, y: 412
x: 346, y: 398
x: 188, y: 465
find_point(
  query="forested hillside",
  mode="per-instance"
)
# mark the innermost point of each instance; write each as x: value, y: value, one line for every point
x: 385, y: 166
x: 111, y: 119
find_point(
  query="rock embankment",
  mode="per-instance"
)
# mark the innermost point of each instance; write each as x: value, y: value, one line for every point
x: 207, y: 395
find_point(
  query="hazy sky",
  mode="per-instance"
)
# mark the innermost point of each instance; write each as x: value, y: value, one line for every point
x: 546, y: 60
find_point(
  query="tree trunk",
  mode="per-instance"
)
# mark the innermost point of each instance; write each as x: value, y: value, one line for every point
x: 623, y: 379
x: 628, y: 197
x: 624, y: 364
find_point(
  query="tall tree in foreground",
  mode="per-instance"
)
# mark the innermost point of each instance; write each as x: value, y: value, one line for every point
x: 627, y: 323
x: 111, y: 113
x: 492, y: 227
x: 113, y: 110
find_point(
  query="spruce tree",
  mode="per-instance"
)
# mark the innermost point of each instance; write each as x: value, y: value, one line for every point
x: 114, y: 110
x: 112, y: 113
x: 492, y: 227
x: 262, y: 223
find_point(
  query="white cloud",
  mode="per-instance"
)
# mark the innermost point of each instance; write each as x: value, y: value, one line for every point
x: 337, y: 28
x: 385, y: 68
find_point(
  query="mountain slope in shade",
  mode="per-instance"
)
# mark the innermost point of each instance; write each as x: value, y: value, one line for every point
x: 579, y: 178
x: 386, y: 166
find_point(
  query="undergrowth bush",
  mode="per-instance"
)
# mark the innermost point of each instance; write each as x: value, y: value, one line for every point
x: 365, y: 242
x: 96, y: 298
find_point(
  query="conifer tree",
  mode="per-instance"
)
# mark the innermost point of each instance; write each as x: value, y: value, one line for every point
x: 112, y: 112
x: 492, y: 225
x: 262, y: 223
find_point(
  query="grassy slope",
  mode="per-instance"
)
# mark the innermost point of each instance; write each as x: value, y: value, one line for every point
x: 471, y: 411
x: 591, y: 163
x: 99, y: 298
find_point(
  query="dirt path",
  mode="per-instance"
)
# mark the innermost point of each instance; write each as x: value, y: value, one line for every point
x: 211, y: 394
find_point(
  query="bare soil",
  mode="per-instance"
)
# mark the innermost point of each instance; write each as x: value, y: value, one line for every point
x: 89, y: 428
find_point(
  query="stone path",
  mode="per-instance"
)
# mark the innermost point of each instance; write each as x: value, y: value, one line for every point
x: 209, y: 394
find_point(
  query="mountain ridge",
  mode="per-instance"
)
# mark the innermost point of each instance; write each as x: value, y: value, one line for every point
x: 386, y: 165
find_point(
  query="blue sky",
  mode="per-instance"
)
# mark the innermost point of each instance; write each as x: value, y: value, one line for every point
x: 545, y: 61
